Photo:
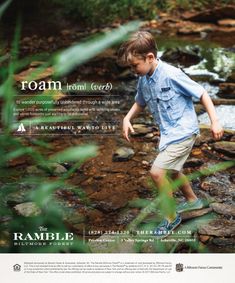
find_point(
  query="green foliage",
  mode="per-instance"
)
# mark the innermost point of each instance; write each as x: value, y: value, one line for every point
x: 95, y: 13
x: 4, y: 6
x: 99, y: 12
x: 40, y: 189
x: 69, y: 59
x: 167, y: 206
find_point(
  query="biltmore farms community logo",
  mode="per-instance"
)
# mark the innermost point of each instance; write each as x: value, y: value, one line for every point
x: 179, y: 267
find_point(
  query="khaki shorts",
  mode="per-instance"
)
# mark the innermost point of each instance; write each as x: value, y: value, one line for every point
x: 175, y: 155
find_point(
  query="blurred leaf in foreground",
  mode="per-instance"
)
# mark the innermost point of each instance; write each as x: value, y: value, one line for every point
x: 4, y: 6
x: 67, y: 60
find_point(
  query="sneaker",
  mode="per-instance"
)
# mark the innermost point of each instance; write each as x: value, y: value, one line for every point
x: 189, y: 205
x: 165, y: 227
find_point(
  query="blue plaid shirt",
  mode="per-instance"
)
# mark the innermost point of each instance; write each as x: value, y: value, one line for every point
x: 168, y: 93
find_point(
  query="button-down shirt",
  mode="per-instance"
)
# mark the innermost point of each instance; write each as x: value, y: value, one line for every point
x: 168, y: 93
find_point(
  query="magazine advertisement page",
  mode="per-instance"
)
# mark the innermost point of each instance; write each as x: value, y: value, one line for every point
x: 117, y: 140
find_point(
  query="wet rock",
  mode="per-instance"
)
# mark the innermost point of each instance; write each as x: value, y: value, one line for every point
x: 182, y: 56
x: 199, y: 109
x: 36, y: 63
x: 145, y: 183
x: 193, y: 162
x: 208, y: 199
x: 105, y: 201
x: 205, y: 135
x: 94, y: 215
x: 224, y: 209
x: 223, y: 101
x: 149, y: 136
x: 195, y: 213
x: 50, y: 39
x: 16, y: 198
x: 141, y: 130
x: 54, y: 169
x: 204, y: 238
x: 227, y: 23
x: 211, y: 15
x: 232, y: 139
x: 126, y: 216
x: 225, y: 147
x: 231, y: 77
x: 57, y: 168
x: 155, y: 139
x: 27, y: 209
x: 123, y: 154
x: 5, y: 239
x: 142, y: 153
x: 145, y: 164
x: 224, y: 242
x: 34, y: 170
x: 196, y: 152
x: 106, y: 206
x: 219, y: 186
x: 4, y: 219
x: 218, y: 228
x: 24, y: 75
x: 195, y: 30
x: 99, y: 177
x: 66, y: 32
x: 147, y: 147
x: 17, y: 161
x: 75, y: 218
x: 227, y: 90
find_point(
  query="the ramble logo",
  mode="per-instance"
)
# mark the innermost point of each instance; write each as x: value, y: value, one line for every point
x: 43, y: 238
x: 17, y: 267
x: 179, y: 267
x: 21, y: 128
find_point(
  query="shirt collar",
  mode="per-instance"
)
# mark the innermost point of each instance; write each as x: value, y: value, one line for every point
x: 154, y: 76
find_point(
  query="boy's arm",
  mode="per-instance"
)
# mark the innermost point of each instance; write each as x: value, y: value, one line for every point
x: 217, y: 130
x: 134, y: 111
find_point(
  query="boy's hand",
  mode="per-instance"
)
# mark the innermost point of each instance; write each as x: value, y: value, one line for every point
x: 126, y: 128
x: 217, y: 131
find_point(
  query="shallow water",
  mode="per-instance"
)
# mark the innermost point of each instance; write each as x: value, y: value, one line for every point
x: 226, y: 115
x: 216, y: 65
x: 217, y: 62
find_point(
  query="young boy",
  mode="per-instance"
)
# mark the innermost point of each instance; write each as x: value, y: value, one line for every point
x: 168, y: 93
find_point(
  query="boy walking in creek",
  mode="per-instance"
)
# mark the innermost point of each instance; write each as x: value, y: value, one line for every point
x: 167, y: 92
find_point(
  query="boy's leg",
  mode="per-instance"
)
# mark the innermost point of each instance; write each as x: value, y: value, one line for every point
x: 167, y: 201
x: 192, y: 202
x: 185, y: 188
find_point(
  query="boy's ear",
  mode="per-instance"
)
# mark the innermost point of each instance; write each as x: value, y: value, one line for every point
x: 150, y: 56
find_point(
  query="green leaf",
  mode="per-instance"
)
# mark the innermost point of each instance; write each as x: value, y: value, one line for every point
x: 18, y: 152
x: 43, y: 194
x: 140, y: 203
x: 75, y: 153
x: 68, y: 59
x: 4, y: 6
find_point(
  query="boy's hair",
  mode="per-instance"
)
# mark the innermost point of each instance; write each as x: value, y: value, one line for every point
x: 139, y: 45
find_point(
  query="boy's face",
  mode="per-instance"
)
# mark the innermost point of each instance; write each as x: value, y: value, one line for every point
x: 142, y: 66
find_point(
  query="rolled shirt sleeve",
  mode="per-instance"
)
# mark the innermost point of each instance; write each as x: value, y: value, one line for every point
x: 186, y: 86
x: 139, y: 98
